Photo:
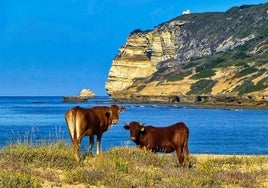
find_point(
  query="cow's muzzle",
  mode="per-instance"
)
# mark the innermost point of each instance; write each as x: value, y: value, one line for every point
x: 133, y: 138
x: 114, y: 121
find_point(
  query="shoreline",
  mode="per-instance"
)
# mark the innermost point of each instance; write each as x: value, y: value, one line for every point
x: 218, y: 156
x: 197, y: 101
x: 226, y: 106
x: 230, y: 106
x: 215, y: 156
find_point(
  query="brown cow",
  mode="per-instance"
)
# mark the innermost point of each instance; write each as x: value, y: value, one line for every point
x: 162, y: 139
x: 89, y: 122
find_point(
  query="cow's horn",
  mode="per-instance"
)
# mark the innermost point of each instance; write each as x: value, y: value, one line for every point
x: 122, y: 109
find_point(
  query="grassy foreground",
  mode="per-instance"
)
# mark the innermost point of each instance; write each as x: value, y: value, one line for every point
x: 24, y: 165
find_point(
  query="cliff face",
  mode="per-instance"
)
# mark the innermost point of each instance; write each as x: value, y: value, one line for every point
x: 206, y: 54
x: 139, y: 57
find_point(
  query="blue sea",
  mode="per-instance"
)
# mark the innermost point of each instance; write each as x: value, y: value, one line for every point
x: 214, y: 131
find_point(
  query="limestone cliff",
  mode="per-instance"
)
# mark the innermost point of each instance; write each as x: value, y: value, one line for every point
x: 206, y: 54
x: 139, y: 57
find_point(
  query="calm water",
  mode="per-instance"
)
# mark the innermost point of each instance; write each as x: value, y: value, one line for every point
x: 216, y: 131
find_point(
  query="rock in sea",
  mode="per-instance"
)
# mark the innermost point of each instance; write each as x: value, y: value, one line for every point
x: 82, y: 97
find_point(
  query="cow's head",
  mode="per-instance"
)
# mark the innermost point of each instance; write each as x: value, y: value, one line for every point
x: 136, y: 129
x: 113, y: 113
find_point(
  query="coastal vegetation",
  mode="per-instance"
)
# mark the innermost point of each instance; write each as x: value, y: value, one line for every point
x: 54, y: 165
x: 202, y: 87
x: 206, y: 67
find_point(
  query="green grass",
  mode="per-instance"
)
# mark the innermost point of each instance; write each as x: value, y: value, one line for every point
x: 18, y: 179
x: 24, y: 165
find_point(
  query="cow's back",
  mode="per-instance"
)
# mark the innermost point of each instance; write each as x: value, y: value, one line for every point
x: 100, y: 112
x: 82, y: 121
x: 154, y: 137
x: 180, y: 132
x: 172, y: 131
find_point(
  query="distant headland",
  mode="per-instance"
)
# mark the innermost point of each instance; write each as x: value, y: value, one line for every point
x: 211, y: 58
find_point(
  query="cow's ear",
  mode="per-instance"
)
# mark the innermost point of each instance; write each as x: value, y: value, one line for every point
x: 107, y: 113
x: 126, y: 126
x: 142, y: 129
x: 122, y: 109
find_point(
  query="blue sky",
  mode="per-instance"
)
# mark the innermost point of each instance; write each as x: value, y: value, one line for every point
x: 58, y: 47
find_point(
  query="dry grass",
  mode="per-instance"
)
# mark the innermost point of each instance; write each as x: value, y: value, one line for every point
x: 54, y: 165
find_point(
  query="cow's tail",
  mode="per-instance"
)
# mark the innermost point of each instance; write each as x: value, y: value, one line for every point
x: 70, y: 118
x: 74, y: 122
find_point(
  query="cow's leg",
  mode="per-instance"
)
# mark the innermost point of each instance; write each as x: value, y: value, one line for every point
x: 99, y: 143
x: 180, y: 155
x: 76, y: 146
x: 186, y: 153
x: 91, y: 144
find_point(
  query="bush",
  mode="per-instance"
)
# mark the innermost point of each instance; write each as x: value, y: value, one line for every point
x: 57, y: 155
x: 248, y: 86
x: 9, y: 179
x: 139, y: 88
x: 246, y: 71
x: 177, y: 76
x: 202, y: 87
x: 204, y: 74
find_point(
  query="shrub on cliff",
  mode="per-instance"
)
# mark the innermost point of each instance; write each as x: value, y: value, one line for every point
x: 202, y: 87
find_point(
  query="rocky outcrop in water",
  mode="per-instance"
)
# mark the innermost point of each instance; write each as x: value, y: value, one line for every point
x: 83, y: 96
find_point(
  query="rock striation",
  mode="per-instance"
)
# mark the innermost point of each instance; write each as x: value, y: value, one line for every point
x: 215, y: 56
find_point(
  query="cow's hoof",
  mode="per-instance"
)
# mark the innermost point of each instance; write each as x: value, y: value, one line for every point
x: 190, y: 166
